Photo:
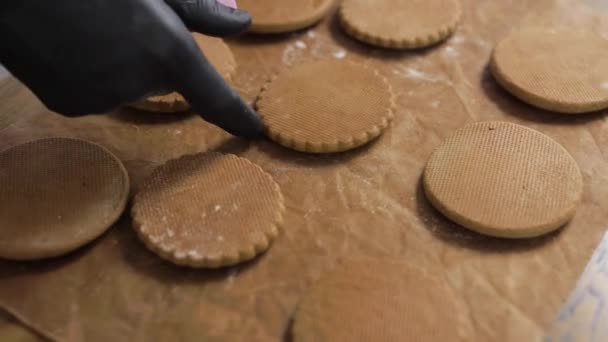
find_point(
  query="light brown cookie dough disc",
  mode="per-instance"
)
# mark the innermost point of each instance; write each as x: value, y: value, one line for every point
x: 326, y: 106
x: 208, y: 210
x: 218, y: 54
x: 280, y: 16
x: 57, y: 195
x: 503, y: 180
x: 374, y: 300
x: 562, y: 71
x: 400, y: 24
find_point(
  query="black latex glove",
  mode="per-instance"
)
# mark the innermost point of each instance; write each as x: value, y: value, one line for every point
x: 90, y: 56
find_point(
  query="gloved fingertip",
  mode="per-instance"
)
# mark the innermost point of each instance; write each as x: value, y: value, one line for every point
x: 234, y: 116
x: 245, y: 124
x: 256, y: 129
x: 210, y: 17
x: 235, y: 21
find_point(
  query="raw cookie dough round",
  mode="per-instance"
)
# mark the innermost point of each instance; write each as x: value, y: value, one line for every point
x: 563, y: 71
x: 280, y: 16
x: 400, y: 24
x: 57, y: 195
x: 326, y: 106
x: 375, y: 300
x: 218, y: 54
x: 208, y: 210
x: 503, y: 180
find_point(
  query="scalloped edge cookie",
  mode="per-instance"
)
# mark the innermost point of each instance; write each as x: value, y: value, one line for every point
x: 286, y: 140
x: 350, y: 26
x: 197, y: 260
x: 291, y: 24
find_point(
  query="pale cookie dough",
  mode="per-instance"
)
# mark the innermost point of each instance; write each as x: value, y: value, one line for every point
x: 208, y: 210
x: 400, y: 24
x: 326, y: 106
x: 218, y: 54
x: 57, y: 195
x: 280, y: 16
x: 375, y: 300
x: 503, y: 180
x: 559, y: 70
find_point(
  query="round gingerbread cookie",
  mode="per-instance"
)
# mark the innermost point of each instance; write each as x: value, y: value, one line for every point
x: 400, y: 24
x: 326, y: 106
x: 559, y: 70
x: 280, y: 16
x: 218, y: 54
x: 57, y: 195
x: 208, y: 210
x: 503, y: 180
x: 376, y: 300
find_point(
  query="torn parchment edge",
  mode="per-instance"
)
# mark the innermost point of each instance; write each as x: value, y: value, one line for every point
x: 584, y: 317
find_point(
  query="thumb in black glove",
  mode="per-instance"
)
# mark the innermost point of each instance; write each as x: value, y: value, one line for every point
x: 83, y: 57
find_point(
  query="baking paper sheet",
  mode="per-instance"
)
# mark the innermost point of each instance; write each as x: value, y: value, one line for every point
x: 364, y: 202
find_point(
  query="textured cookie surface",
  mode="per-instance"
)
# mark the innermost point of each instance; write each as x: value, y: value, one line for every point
x: 503, y: 180
x: 375, y: 300
x: 218, y: 54
x: 279, y: 16
x: 326, y: 106
x: 562, y: 71
x: 208, y: 210
x: 57, y: 195
x: 400, y: 24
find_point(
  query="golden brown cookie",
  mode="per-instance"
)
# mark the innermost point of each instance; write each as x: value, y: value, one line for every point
x: 218, y: 54
x: 208, y: 210
x: 375, y: 300
x: 326, y: 106
x: 503, y: 180
x: 561, y: 70
x: 400, y: 24
x: 57, y: 195
x: 280, y: 16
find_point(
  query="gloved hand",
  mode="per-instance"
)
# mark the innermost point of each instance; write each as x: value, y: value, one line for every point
x: 90, y: 56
